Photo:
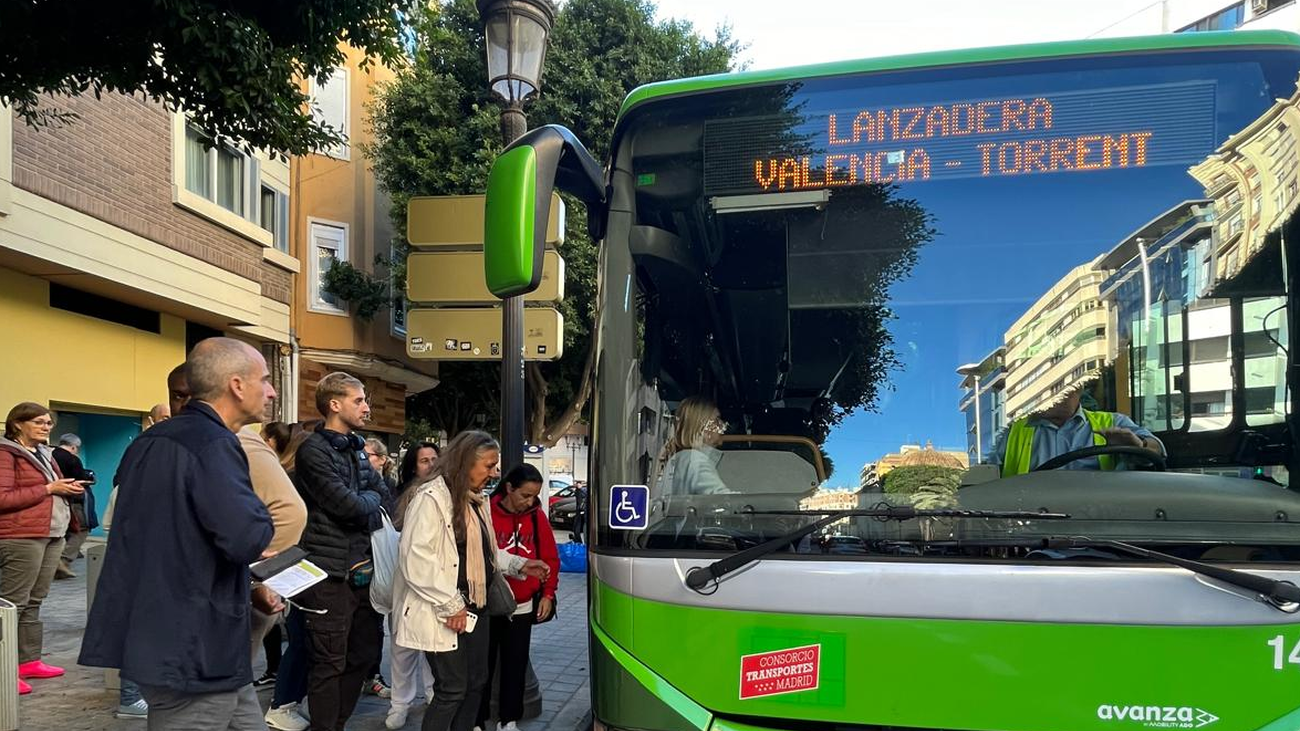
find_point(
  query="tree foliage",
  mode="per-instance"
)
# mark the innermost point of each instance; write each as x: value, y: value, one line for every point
x: 233, y: 65
x: 909, y: 479
x: 437, y: 133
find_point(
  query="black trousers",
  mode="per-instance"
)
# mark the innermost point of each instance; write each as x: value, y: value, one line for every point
x: 507, y: 656
x: 460, y: 678
x: 343, y: 647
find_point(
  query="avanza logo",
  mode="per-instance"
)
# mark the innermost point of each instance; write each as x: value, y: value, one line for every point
x: 1158, y: 716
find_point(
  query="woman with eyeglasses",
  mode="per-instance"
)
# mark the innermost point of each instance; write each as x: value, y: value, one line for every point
x: 34, y: 517
x: 690, y: 458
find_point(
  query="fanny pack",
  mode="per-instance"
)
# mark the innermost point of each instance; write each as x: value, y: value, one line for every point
x: 361, y: 573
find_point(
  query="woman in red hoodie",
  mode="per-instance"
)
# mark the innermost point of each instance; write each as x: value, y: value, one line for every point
x: 34, y: 516
x: 522, y: 529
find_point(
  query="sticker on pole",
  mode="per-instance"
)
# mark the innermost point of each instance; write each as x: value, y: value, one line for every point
x: 627, y: 507
x: 780, y: 671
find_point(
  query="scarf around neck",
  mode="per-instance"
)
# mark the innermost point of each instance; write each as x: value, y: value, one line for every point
x: 476, y: 564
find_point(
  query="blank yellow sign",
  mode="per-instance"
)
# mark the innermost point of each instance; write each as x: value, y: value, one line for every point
x: 457, y: 220
x: 474, y: 333
x: 457, y: 277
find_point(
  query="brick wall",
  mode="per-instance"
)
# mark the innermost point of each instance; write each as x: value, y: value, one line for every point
x: 114, y: 163
x: 387, y: 400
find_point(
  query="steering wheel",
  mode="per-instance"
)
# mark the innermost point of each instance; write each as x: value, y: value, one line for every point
x: 1155, y: 459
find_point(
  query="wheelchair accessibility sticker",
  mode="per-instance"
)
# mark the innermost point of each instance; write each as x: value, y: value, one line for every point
x: 628, y: 507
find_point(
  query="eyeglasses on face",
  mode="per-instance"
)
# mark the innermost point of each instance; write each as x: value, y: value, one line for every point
x: 41, y: 422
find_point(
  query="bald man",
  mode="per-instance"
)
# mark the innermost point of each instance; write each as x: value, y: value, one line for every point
x: 172, y: 610
x: 159, y: 413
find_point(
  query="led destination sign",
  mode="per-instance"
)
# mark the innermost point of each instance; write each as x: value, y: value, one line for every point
x: 1077, y: 131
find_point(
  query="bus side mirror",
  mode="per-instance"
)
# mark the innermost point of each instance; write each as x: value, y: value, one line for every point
x: 519, y: 195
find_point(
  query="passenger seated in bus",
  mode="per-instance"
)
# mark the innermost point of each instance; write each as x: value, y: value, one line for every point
x: 690, y: 458
x: 1065, y: 427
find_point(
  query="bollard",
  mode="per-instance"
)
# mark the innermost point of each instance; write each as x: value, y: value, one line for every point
x: 94, y: 565
x: 8, y: 666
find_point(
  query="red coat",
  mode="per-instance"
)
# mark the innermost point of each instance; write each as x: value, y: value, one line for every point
x: 25, y: 507
x: 515, y: 534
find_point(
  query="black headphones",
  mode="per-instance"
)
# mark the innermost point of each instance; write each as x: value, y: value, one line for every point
x: 343, y: 442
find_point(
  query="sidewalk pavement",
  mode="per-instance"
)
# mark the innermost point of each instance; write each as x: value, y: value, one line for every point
x: 78, y: 701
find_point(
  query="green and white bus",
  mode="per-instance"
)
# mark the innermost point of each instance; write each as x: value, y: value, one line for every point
x: 794, y: 266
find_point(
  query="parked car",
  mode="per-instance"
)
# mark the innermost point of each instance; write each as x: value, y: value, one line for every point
x: 559, y: 491
x: 564, y: 509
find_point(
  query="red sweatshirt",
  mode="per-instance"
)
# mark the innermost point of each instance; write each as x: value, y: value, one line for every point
x: 515, y: 534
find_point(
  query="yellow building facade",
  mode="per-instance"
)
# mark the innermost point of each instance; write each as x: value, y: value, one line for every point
x: 340, y: 213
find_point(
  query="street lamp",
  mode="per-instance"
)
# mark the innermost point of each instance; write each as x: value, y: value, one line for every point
x: 972, y: 370
x: 515, y: 34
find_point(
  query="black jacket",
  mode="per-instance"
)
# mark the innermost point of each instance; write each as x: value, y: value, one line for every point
x: 343, y: 495
x: 171, y: 607
x: 70, y: 465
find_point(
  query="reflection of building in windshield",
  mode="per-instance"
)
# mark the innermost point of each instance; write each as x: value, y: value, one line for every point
x: 1152, y: 276
x: 873, y: 474
x: 824, y: 499
x: 1058, y: 343
x: 1252, y: 180
x: 983, y: 403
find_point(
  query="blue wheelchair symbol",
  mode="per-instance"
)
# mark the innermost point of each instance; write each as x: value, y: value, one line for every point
x: 627, y: 507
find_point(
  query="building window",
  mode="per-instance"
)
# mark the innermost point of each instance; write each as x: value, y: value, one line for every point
x: 219, y: 174
x: 1230, y: 18
x: 328, y: 245
x: 330, y: 107
x: 273, y: 215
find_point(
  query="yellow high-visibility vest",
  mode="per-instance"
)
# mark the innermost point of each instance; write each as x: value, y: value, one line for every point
x: 1020, y: 442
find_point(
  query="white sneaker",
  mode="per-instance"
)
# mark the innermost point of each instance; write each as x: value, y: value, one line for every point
x: 139, y: 709
x: 287, y: 718
x: 396, y: 718
x: 508, y: 727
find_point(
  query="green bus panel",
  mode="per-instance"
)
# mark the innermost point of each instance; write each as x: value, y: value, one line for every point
x: 952, y: 674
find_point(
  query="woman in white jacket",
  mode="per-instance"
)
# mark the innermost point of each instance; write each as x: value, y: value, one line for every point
x: 446, y: 562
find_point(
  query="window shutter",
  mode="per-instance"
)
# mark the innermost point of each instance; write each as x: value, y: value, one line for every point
x: 332, y: 108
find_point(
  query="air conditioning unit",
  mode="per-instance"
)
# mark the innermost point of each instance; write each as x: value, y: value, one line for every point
x: 8, y: 666
x: 1258, y: 6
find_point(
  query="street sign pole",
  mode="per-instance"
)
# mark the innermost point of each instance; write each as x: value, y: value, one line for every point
x: 513, y: 126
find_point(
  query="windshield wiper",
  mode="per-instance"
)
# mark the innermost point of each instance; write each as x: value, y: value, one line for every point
x: 1279, y: 594
x: 700, y: 576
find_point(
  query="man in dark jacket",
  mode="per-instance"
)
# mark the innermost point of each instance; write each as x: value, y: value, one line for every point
x: 68, y: 457
x: 343, y: 495
x: 172, y: 607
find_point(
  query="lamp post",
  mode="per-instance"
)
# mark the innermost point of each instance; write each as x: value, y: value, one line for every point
x: 972, y: 370
x: 515, y: 33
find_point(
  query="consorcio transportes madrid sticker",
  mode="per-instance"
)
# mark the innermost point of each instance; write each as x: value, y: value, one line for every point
x: 780, y: 671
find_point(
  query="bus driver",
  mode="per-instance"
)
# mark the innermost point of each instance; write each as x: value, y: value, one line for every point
x: 1065, y: 427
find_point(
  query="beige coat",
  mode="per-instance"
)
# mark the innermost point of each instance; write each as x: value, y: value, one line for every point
x: 424, y: 589
x: 274, y: 489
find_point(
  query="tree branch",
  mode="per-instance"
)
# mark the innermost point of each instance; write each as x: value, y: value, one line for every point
x: 557, y: 429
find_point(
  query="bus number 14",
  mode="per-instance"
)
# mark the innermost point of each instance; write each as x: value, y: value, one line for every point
x: 1279, y: 652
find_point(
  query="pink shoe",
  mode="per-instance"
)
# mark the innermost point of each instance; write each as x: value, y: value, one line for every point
x: 38, y: 669
x: 23, y: 688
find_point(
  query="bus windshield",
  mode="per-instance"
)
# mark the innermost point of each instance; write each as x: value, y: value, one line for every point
x: 919, y: 287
